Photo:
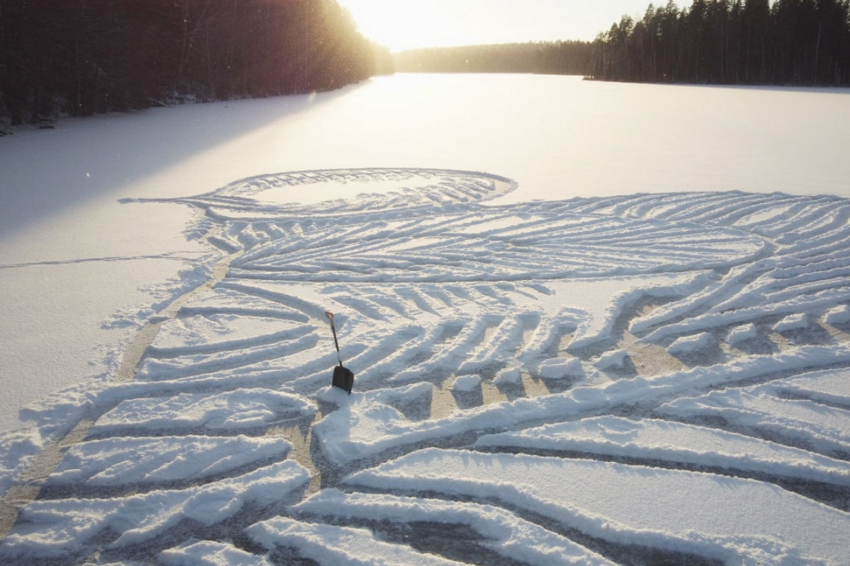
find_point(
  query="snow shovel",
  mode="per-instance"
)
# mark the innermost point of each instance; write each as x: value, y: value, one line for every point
x: 343, y: 377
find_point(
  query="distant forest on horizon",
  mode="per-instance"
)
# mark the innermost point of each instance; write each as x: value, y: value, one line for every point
x: 751, y: 42
x: 556, y: 57
x: 83, y: 57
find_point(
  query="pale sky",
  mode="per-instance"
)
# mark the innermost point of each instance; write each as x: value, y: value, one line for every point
x: 407, y: 24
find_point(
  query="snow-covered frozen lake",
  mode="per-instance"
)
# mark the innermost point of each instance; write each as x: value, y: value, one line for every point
x: 589, y: 323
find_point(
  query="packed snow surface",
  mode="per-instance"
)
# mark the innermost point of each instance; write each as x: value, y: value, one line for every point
x: 723, y: 518
x: 642, y: 379
x: 87, y: 271
x: 685, y: 361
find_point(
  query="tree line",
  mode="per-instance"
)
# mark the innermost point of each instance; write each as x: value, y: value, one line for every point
x: 792, y: 42
x: 81, y: 57
x: 560, y: 57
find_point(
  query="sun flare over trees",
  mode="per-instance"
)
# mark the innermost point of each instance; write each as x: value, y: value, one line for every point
x: 413, y: 24
x: 388, y: 23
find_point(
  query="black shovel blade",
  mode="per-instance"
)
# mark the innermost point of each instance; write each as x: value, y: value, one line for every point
x: 343, y: 378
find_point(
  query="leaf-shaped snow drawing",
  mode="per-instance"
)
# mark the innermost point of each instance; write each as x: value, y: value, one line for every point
x: 657, y: 376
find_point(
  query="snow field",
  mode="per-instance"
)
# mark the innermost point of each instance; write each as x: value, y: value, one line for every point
x: 512, y: 536
x: 209, y: 553
x: 327, y: 544
x: 676, y: 443
x: 722, y: 518
x: 478, y: 333
x: 811, y: 412
x: 231, y: 410
x: 153, y: 460
x: 60, y: 528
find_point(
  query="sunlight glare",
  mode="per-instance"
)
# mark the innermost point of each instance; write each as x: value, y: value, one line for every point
x: 401, y: 25
x: 411, y: 24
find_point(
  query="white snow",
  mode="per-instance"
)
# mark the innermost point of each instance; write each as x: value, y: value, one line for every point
x: 509, y: 535
x: 209, y: 553
x: 792, y: 322
x: 559, y: 368
x: 612, y: 360
x: 690, y: 344
x: 329, y: 190
x: 828, y: 387
x: 365, y: 424
x: 838, y: 315
x: 508, y: 376
x: 55, y: 528
x: 69, y: 214
x: 675, y: 442
x: 726, y: 518
x: 805, y: 417
x: 165, y: 277
x: 233, y: 410
x: 602, y: 300
x: 147, y: 460
x: 327, y: 544
x: 742, y: 333
x: 17, y: 449
x: 466, y: 383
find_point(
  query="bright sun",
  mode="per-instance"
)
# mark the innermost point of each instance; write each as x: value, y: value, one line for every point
x: 399, y: 24
x: 408, y: 24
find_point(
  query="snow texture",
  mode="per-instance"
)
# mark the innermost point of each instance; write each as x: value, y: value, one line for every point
x: 792, y: 322
x: 153, y: 460
x: 676, y: 443
x: 209, y: 553
x: 232, y: 410
x: 507, y: 534
x: 62, y: 527
x: 723, y: 518
x: 810, y: 411
x: 466, y: 383
x: 690, y: 344
x: 557, y: 368
x: 644, y: 378
x: 327, y: 544
x: 742, y: 333
x: 612, y: 360
x: 838, y: 315
x: 464, y: 328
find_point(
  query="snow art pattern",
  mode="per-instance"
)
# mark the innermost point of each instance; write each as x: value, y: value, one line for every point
x: 642, y: 379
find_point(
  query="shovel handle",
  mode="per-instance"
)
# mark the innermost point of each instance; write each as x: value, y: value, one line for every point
x: 330, y: 316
